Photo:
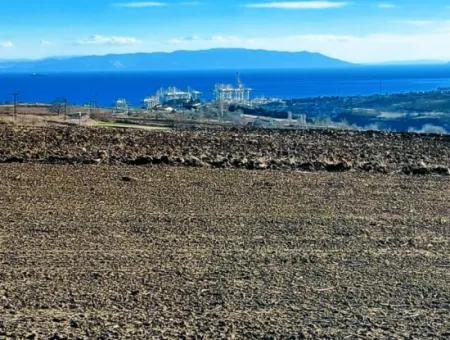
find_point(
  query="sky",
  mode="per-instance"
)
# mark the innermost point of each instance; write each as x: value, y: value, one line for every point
x: 362, y: 31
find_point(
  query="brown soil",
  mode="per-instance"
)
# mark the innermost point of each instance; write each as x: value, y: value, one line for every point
x: 36, y: 110
x: 202, y: 245
x: 311, y: 150
x: 124, y: 251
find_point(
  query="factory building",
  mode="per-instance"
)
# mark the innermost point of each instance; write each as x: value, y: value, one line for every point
x: 229, y: 94
x: 172, y: 97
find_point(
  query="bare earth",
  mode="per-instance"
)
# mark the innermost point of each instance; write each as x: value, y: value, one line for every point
x: 139, y: 251
x: 253, y: 149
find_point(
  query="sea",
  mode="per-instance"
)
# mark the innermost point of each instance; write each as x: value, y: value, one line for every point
x: 105, y: 88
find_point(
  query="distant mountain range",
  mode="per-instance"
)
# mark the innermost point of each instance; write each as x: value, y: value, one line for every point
x: 226, y: 59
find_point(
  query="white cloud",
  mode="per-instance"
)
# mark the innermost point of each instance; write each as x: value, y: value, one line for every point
x: 46, y: 43
x: 385, y: 5
x: 416, y: 23
x: 6, y: 44
x: 149, y: 4
x: 299, y: 5
x: 429, y: 128
x: 109, y: 40
x: 181, y: 40
x: 142, y: 4
x: 190, y: 3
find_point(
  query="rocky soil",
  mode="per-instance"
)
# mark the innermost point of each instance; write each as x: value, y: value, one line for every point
x: 199, y: 241
x: 312, y: 150
x: 93, y: 251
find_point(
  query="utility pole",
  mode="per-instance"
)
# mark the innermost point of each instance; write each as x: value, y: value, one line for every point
x: 221, y: 108
x: 15, y: 95
x: 92, y: 107
x: 65, y: 108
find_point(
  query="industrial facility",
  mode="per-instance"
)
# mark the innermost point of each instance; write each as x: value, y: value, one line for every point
x: 224, y: 95
x: 173, y: 97
x: 229, y: 94
x: 228, y: 101
x: 152, y: 102
x: 121, y: 106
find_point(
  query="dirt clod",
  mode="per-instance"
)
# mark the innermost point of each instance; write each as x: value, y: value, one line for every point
x: 305, y: 150
x: 228, y: 234
x: 221, y: 253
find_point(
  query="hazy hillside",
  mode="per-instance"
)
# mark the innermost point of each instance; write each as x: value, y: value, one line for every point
x: 179, y: 60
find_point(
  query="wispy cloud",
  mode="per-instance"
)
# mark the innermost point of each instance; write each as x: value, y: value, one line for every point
x: 140, y: 4
x: 416, y: 23
x: 299, y: 5
x: 109, y: 40
x: 385, y: 5
x: 181, y: 40
x: 190, y: 3
x: 149, y: 4
x: 429, y: 128
x: 6, y: 44
x: 46, y: 43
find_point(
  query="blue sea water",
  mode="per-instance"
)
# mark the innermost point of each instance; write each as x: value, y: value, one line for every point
x: 105, y: 88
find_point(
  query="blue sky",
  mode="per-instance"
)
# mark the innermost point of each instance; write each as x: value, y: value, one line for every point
x: 358, y: 30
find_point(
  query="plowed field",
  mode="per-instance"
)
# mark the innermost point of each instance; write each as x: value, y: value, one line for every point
x: 128, y: 251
